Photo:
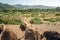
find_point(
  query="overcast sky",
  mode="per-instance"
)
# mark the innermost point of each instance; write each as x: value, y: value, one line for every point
x: 33, y: 2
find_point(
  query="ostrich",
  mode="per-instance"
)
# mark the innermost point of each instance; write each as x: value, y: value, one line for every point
x: 51, y: 35
x: 31, y: 22
x: 30, y: 33
x: 7, y: 34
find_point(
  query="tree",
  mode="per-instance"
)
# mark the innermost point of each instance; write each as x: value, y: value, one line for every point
x: 58, y: 9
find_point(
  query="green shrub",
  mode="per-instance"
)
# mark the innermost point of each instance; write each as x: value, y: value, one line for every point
x: 10, y: 21
x: 52, y: 19
x: 37, y: 21
x: 57, y: 14
x: 46, y: 19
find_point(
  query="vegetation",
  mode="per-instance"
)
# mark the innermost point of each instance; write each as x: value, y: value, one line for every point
x: 37, y: 21
x: 52, y: 19
x: 10, y: 21
x: 11, y: 15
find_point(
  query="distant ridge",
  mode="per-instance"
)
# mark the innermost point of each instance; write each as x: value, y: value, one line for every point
x: 4, y: 6
x: 32, y: 6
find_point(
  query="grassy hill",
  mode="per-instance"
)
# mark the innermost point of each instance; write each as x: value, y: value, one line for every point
x: 4, y: 6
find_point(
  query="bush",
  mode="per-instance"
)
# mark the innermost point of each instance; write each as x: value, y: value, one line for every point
x: 10, y: 21
x: 46, y: 19
x: 57, y: 14
x: 52, y: 19
x: 37, y: 21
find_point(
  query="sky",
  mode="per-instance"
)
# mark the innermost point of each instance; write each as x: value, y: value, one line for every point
x: 33, y: 2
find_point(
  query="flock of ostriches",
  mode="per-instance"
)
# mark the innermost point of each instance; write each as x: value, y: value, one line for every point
x: 30, y: 33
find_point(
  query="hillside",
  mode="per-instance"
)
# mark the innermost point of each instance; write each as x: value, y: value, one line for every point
x: 32, y: 6
x: 4, y: 6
